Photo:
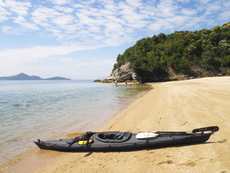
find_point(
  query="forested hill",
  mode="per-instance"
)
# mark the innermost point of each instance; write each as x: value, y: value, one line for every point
x: 198, y: 53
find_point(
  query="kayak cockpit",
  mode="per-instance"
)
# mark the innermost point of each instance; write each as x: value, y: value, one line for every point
x: 113, y: 137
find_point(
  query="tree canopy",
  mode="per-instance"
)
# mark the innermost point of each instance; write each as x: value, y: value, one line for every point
x: 183, y: 51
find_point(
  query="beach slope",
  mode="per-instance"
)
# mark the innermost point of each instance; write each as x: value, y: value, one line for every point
x: 169, y: 106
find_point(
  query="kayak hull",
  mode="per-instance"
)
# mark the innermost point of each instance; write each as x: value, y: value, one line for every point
x: 163, y: 139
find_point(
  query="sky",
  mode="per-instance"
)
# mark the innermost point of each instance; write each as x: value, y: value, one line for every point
x: 81, y: 39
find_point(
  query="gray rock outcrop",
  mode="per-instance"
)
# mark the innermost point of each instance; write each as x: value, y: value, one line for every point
x: 122, y: 74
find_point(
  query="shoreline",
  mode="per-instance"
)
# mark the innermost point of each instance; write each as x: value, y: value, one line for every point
x: 29, y: 156
x: 177, y: 105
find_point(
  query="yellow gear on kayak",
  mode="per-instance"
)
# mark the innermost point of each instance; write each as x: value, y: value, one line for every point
x: 85, y: 142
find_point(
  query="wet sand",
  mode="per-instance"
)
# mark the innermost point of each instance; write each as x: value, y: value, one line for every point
x: 176, y: 106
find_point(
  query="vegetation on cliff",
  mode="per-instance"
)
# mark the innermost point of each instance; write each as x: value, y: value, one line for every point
x: 198, y: 53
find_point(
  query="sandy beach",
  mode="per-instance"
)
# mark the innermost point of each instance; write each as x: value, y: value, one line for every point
x: 171, y: 106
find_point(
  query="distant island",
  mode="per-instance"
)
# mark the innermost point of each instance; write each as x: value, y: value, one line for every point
x: 23, y: 76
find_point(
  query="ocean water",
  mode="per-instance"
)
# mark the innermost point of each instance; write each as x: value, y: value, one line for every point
x: 50, y: 109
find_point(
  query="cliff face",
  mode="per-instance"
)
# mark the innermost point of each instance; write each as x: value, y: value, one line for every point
x: 125, y: 73
x: 122, y: 74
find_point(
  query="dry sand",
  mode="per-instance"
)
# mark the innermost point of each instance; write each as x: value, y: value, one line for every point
x: 177, y: 106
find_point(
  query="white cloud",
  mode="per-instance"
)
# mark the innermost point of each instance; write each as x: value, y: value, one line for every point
x: 64, y: 9
x: 38, y: 53
x: 63, y: 20
x: 110, y: 7
x: 87, y: 20
x: 94, y: 63
x: 188, y: 12
x: 167, y: 8
x: 149, y: 12
x: 157, y: 25
x: 98, y: 20
x: 113, y: 28
x: 43, y: 15
x: 12, y: 30
x: 103, y: 62
x: 204, y: 1
x: 68, y: 60
x: 185, y: 1
x: 87, y: 3
x: 226, y: 4
x: 135, y: 3
x: 60, y: 2
x: 212, y: 8
x: 24, y: 24
x: 18, y: 7
x: 223, y: 16
x: 4, y: 14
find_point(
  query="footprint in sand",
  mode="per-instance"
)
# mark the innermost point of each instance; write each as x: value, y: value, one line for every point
x: 192, y: 164
x: 166, y: 162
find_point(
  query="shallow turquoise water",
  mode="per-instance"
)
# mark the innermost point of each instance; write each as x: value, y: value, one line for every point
x: 50, y: 109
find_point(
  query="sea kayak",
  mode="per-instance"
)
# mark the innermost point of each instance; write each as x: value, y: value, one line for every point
x: 124, y: 141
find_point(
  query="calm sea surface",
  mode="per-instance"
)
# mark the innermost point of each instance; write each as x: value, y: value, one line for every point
x: 50, y: 109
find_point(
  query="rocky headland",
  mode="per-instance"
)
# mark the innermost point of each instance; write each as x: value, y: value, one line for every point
x: 177, y: 56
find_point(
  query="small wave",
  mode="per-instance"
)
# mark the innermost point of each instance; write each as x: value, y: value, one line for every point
x: 16, y: 105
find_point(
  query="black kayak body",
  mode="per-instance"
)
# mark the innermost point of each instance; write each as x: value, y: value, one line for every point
x: 125, y: 141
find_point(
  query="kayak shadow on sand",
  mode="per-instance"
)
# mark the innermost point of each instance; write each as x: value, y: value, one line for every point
x: 150, y: 148
x: 88, y: 154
